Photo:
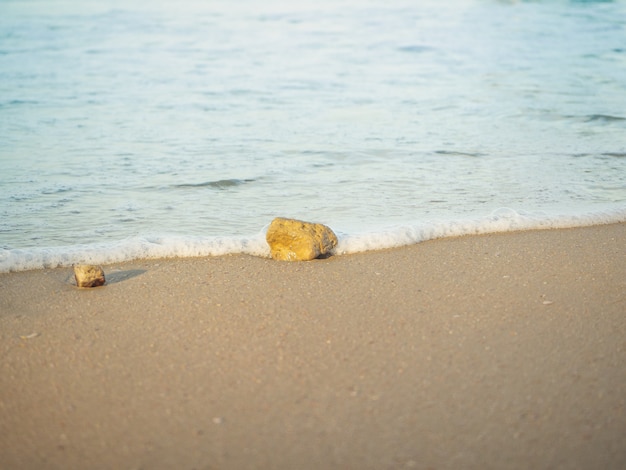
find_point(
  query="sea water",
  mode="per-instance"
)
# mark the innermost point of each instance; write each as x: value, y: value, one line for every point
x: 137, y: 129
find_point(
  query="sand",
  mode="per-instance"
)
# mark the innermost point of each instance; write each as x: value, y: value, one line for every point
x: 496, y: 351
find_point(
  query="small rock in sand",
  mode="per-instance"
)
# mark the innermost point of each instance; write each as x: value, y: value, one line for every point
x: 88, y: 275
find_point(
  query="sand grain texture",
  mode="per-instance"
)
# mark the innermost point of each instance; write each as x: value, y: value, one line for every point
x: 497, y: 351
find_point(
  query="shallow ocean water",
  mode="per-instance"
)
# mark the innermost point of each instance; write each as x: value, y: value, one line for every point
x: 134, y: 129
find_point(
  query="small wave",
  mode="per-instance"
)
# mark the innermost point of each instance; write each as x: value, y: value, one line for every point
x: 605, y: 118
x: 12, y: 260
x: 415, y: 49
x: 152, y: 247
x: 18, y: 103
x: 219, y: 184
x: 58, y: 190
x: 501, y: 220
x: 459, y: 154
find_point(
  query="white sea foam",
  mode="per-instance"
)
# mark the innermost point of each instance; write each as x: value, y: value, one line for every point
x: 501, y: 220
x: 130, y: 249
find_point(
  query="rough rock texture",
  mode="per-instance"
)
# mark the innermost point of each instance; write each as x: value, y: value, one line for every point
x: 295, y: 240
x: 89, y: 276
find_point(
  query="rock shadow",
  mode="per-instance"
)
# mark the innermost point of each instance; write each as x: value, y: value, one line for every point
x: 121, y: 276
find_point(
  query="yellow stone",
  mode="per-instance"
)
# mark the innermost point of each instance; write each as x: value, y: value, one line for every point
x: 295, y: 240
x: 88, y: 275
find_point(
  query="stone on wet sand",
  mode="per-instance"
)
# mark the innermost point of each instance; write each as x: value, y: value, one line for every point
x: 88, y: 275
x: 295, y: 240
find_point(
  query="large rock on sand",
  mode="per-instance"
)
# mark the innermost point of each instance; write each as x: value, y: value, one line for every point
x: 295, y: 240
x: 89, y: 276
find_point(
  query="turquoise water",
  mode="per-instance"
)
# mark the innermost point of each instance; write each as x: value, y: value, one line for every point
x: 131, y: 130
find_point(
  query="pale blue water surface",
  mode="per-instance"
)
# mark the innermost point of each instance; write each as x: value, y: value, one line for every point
x: 134, y: 128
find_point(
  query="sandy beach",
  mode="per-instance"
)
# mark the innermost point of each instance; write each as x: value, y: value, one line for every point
x: 480, y: 352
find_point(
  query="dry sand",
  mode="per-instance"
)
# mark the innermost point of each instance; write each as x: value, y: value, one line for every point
x: 497, y: 351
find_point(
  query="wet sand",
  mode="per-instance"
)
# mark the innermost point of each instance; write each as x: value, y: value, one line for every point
x: 495, y: 351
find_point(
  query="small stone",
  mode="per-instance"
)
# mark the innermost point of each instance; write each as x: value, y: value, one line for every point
x: 30, y: 336
x: 295, y: 240
x: 89, y: 276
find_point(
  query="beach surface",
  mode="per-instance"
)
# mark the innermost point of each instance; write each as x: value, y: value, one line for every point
x: 495, y: 351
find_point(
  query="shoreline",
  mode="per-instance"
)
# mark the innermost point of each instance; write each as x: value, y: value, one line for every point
x: 503, y: 350
x: 168, y: 246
